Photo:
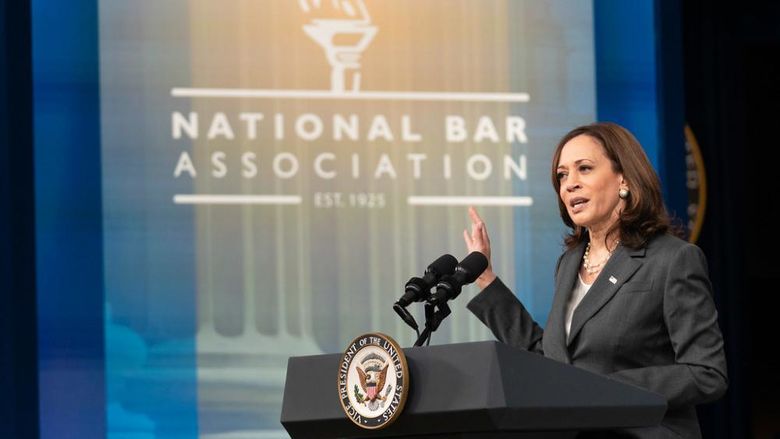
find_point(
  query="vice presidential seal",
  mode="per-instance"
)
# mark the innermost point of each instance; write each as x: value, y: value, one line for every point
x: 373, y: 381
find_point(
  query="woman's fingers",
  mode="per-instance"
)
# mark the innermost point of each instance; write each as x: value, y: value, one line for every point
x: 475, y: 218
x: 476, y: 239
x: 467, y: 238
x: 484, y: 233
x: 477, y: 225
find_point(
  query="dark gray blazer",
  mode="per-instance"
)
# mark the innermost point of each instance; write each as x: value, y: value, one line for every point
x: 648, y: 320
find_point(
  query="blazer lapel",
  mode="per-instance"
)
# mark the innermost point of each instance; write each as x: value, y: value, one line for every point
x: 615, y: 273
x: 564, y: 282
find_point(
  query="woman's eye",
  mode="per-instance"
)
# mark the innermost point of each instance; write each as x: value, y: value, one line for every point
x: 560, y: 175
x: 585, y: 168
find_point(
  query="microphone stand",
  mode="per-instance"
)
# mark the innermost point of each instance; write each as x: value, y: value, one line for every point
x: 433, y: 319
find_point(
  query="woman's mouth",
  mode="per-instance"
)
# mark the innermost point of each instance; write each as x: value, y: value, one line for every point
x: 578, y: 204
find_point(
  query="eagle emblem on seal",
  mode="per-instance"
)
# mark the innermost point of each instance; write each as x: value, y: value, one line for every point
x: 373, y: 374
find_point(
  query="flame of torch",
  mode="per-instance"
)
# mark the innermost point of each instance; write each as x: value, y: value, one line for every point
x: 343, y: 39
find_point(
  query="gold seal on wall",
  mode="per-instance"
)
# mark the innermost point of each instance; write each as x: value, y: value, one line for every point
x: 696, y: 181
x: 373, y: 381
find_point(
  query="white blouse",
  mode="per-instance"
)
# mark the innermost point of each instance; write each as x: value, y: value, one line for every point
x: 576, y: 297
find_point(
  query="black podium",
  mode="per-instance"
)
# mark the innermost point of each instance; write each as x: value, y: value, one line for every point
x: 472, y: 390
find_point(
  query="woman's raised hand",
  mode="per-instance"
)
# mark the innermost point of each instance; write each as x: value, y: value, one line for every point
x: 478, y: 241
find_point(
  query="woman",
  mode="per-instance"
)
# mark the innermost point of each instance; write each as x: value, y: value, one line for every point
x: 632, y: 301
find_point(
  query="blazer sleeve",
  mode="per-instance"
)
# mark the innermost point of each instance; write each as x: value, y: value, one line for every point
x: 498, y: 308
x: 699, y: 372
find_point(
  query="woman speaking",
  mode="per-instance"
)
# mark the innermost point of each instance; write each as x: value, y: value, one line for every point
x: 632, y: 301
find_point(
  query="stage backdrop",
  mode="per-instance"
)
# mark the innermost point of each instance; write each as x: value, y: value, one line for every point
x: 272, y: 173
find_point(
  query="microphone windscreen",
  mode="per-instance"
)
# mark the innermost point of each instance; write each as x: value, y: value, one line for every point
x: 444, y: 265
x: 472, y: 266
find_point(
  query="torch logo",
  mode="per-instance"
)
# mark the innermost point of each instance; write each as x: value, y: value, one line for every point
x: 343, y: 38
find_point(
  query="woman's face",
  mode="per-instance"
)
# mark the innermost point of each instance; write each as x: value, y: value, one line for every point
x: 589, y: 186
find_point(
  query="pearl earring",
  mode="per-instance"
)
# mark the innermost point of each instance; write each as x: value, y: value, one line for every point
x: 623, y: 193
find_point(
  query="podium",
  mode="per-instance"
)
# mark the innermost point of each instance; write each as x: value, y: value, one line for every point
x: 476, y: 390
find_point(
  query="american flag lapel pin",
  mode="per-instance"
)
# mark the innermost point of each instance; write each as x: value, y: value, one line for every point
x: 612, y: 279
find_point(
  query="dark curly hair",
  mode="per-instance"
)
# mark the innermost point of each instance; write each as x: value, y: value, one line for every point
x: 644, y: 215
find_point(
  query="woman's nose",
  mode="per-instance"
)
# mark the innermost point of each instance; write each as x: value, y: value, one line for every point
x: 572, y: 184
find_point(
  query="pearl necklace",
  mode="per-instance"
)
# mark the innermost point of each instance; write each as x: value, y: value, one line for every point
x: 592, y: 268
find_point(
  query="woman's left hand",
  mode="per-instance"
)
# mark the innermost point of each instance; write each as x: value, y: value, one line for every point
x: 479, y: 241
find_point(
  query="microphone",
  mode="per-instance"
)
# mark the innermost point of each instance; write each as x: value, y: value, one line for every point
x: 466, y: 272
x: 419, y: 289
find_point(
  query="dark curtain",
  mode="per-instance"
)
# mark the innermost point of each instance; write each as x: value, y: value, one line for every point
x: 732, y: 86
x: 18, y: 346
